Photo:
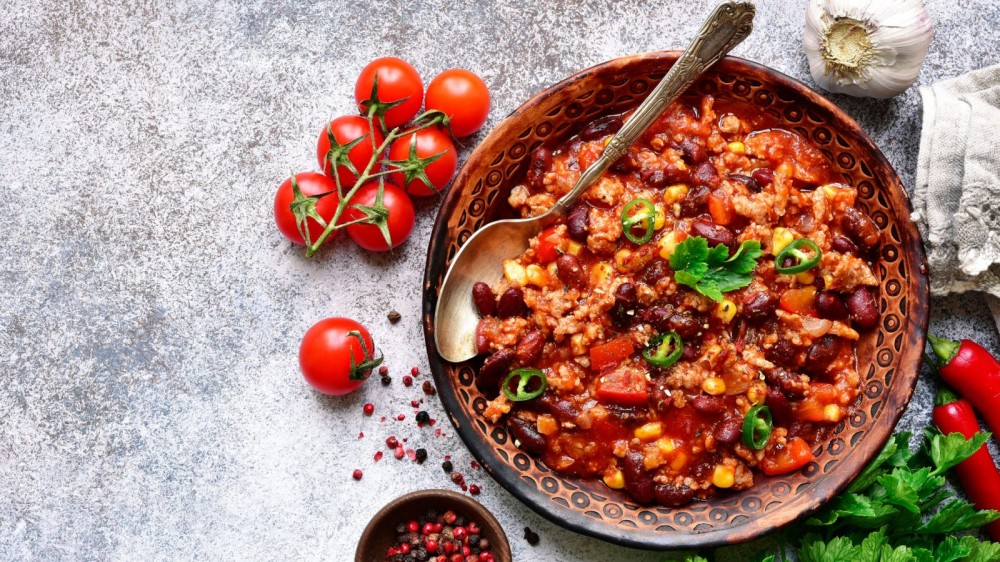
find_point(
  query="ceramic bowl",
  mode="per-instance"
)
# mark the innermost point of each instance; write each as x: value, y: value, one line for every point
x: 380, y: 533
x: 888, y: 357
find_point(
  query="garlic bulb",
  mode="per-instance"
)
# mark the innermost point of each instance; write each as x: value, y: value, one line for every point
x: 870, y: 48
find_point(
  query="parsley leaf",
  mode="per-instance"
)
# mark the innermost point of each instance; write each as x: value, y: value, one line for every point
x: 958, y: 515
x: 948, y: 450
x: 712, y: 272
x: 839, y: 549
x: 982, y: 551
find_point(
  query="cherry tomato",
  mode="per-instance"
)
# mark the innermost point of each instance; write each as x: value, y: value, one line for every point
x: 346, y: 129
x: 428, y: 142
x: 463, y: 96
x: 327, y: 351
x: 397, y: 80
x: 400, y: 220
x: 310, y: 183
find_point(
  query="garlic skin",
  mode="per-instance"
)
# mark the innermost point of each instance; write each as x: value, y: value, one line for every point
x: 866, y: 48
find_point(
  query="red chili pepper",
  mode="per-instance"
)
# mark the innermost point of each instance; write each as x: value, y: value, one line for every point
x: 973, y: 372
x: 978, y: 474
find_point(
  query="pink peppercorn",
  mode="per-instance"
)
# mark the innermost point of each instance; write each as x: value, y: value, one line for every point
x: 357, y: 474
x: 391, y: 442
x: 407, y: 380
x: 414, y: 371
x: 369, y: 409
x: 474, y: 490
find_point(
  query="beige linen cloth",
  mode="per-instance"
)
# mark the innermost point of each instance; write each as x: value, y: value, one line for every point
x: 956, y: 200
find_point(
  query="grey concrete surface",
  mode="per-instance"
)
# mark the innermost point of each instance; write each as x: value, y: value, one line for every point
x: 150, y: 313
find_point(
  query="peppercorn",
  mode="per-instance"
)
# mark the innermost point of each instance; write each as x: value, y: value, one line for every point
x: 407, y: 380
x: 386, y: 381
x: 429, y: 389
x: 531, y: 536
x: 474, y: 489
x: 357, y: 474
x: 394, y: 316
x: 447, y: 466
x: 421, y: 455
x: 423, y: 417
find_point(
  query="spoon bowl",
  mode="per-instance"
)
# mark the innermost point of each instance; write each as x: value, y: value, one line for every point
x: 455, y: 318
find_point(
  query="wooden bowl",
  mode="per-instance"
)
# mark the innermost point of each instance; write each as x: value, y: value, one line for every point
x: 380, y: 533
x: 888, y: 357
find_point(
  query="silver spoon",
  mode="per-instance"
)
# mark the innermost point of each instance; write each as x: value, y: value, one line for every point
x: 455, y: 317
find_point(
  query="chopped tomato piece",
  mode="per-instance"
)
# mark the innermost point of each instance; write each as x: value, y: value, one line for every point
x: 610, y: 354
x: 720, y: 207
x: 549, y: 245
x: 813, y: 406
x: 625, y: 387
x: 799, y: 301
x: 786, y: 458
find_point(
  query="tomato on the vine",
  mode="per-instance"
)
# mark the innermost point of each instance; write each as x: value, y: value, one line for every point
x: 398, y: 82
x: 337, y: 355
x: 309, y: 183
x: 399, y: 221
x: 463, y: 96
x: 351, y: 142
x: 420, y: 170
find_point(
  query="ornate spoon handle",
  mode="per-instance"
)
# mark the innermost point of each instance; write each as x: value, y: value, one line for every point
x: 728, y: 25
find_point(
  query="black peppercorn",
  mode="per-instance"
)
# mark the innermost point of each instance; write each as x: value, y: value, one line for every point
x: 421, y: 455
x: 423, y: 417
x: 446, y: 465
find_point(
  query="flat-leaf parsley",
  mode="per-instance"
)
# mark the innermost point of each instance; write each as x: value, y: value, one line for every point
x: 712, y: 272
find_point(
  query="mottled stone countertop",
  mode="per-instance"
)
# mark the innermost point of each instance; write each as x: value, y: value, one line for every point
x: 150, y: 313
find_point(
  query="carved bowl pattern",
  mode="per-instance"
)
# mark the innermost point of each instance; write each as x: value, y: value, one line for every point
x: 888, y: 358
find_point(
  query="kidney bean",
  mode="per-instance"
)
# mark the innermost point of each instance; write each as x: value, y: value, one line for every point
x: 626, y: 302
x: 529, y: 348
x: 695, y: 200
x: 694, y: 153
x: 672, y: 495
x: 861, y: 228
x: 654, y: 272
x: 749, y: 181
x: 790, y: 384
x: 654, y: 177
x: 843, y: 245
x: 600, y: 128
x: 565, y: 411
x: 511, y: 303
x: 782, y: 353
x: 691, y: 352
x: 759, y: 305
x: 638, y: 482
x: 821, y: 353
x: 862, y: 308
x: 831, y: 306
x: 714, y: 233
x: 541, y: 161
x: 627, y: 415
x: 685, y: 324
x: 484, y: 299
x: 663, y: 174
x: 709, y: 405
x: 570, y: 272
x: 762, y: 176
x: 493, y: 371
x: 526, y: 435
x: 705, y: 174
x: 780, y: 406
x: 657, y: 317
x: 624, y: 165
x: 578, y: 222
x: 728, y: 431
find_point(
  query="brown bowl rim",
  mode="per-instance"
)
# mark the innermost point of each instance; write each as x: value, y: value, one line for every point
x: 906, y: 373
x: 470, y: 507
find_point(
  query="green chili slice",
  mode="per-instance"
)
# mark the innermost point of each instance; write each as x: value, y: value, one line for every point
x: 524, y: 377
x: 803, y: 261
x: 664, y: 350
x: 643, y: 217
x: 757, y: 427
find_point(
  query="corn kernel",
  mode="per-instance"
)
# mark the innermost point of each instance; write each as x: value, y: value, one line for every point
x: 737, y: 147
x: 725, y: 310
x: 623, y: 260
x: 780, y: 238
x: 680, y: 460
x: 547, y: 425
x: 723, y: 476
x: 552, y: 270
x: 650, y: 431
x: 675, y: 193
x: 831, y: 413
x: 806, y: 277
x: 614, y: 480
x: 666, y: 445
x: 757, y: 392
x: 600, y: 274
x: 573, y: 248
x: 714, y: 386
x: 667, y: 243
x: 515, y: 273
x: 660, y: 218
x: 535, y: 275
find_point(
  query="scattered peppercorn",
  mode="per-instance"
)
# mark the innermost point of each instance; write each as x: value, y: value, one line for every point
x: 394, y: 316
x: 391, y: 442
x: 457, y: 478
x: 447, y: 466
x: 407, y: 380
x: 531, y: 536
x: 369, y: 408
x: 429, y: 389
x: 423, y: 417
x: 421, y: 456
x: 399, y: 453
x: 415, y: 371
x: 474, y: 489
x: 386, y: 381
x: 357, y: 474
